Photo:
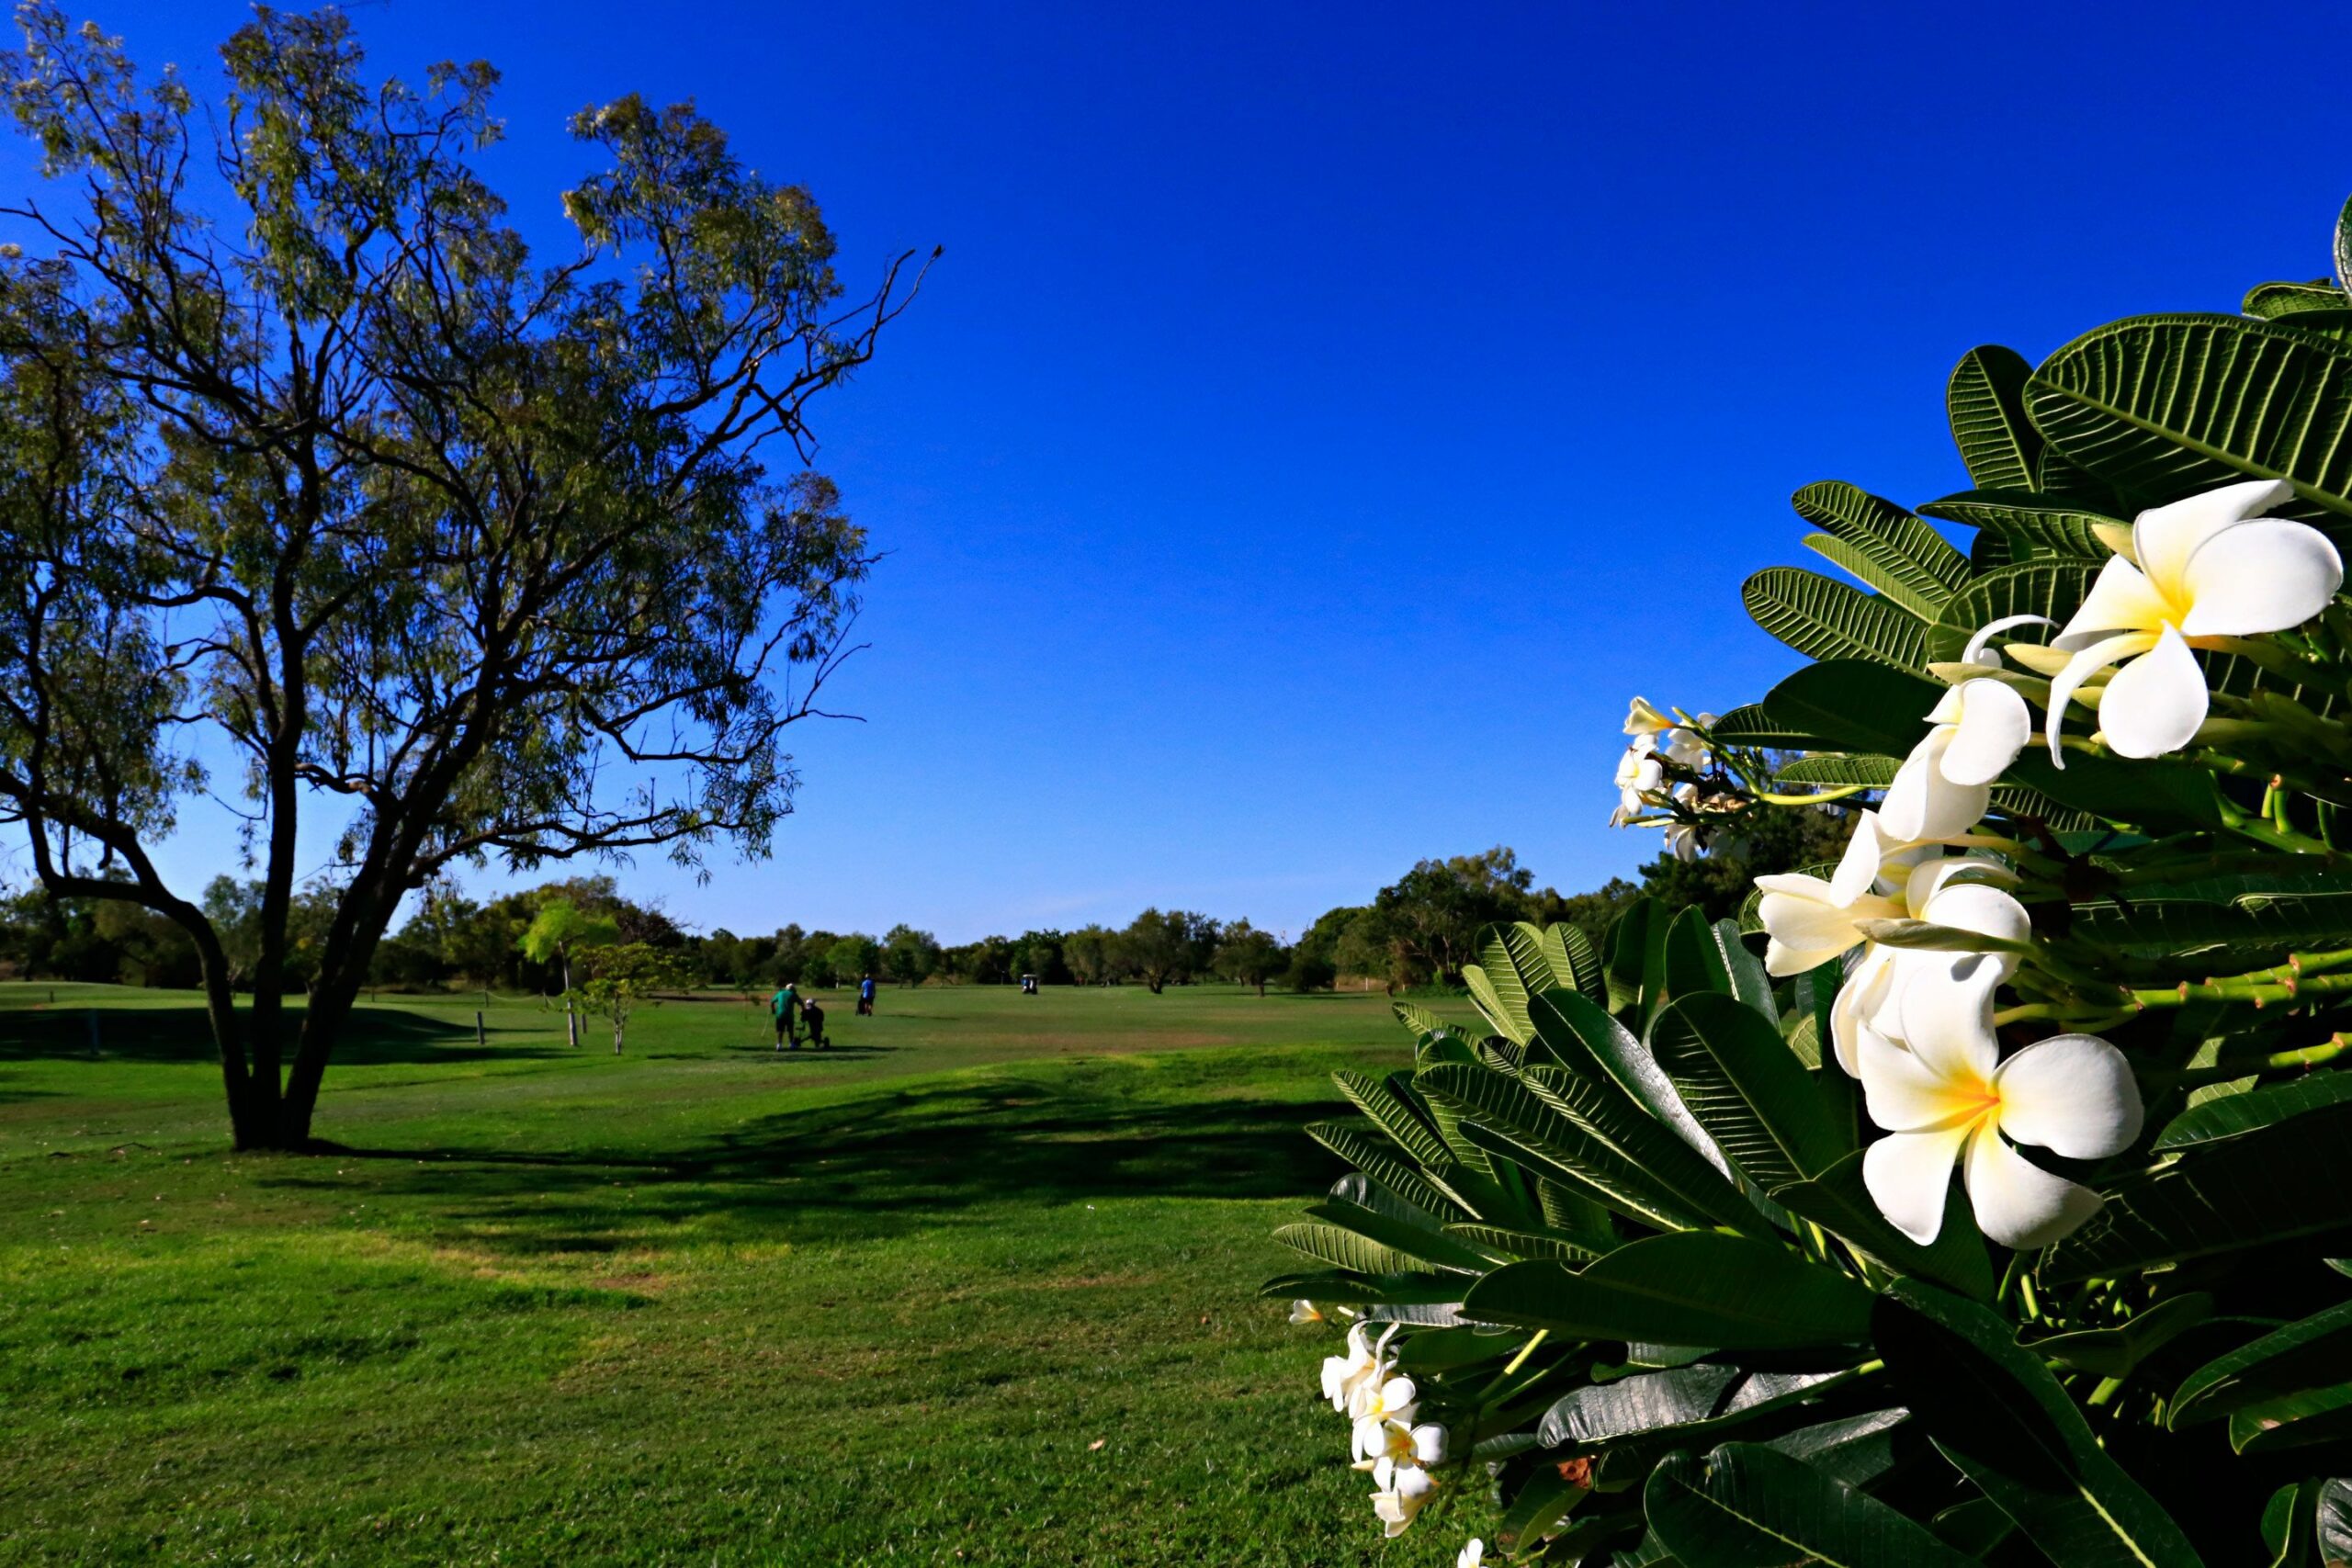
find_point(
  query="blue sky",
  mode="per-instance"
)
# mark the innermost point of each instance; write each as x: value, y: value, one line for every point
x: 1325, y: 417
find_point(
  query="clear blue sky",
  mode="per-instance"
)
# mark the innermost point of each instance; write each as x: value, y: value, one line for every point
x: 1324, y: 417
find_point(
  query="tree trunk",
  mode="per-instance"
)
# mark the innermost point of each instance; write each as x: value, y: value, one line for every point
x: 250, y: 1122
x: 330, y: 1008
x: 617, y: 1026
x: 343, y: 971
x: 571, y: 1018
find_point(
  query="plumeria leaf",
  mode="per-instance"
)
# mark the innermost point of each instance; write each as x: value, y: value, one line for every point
x: 1343, y: 1248
x: 1380, y: 1163
x: 2287, y: 1524
x: 1575, y: 1216
x: 1856, y: 704
x: 1587, y: 1041
x: 1467, y: 1154
x: 1398, y: 1116
x: 1839, y: 768
x: 1739, y: 1080
x: 1503, y: 983
x: 2033, y: 528
x: 1856, y: 516
x: 2256, y: 1107
x: 1445, y: 1350
x: 2295, y: 1420
x: 1975, y: 1527
x: 2165, y: 406
x: 1584, y: 1164
x: 2333, y: 326
x: 1647, y: 1553
x: 2313, y: 1353
x: 2282, y: 301
x: 1824, y: 618
x: 2333, y: 1522
x: 2055, y: 474
x: 1602, y: 1413
x: 1523, y: 945
x: 1999, y: 1416
x: 1546, y: 1499
x: 1629, y: 970
x: 1694, y: 1287
x: 1415, y: 1315
x: 2293, y: 906
x: 1574, y: 962
x: 1425, y: 1245
x: 1985, y: 399
x: 1418, y: 1018
x: 1856, y: 1449
x: 2272, y: 1184
x: 2113, y: 1352
x: 1500, y: 996
x: 1755, y: 1405
x: 1749, y: 981
x: 1344, y: 1288
x: 1893, y: 579
x: 1558, y: 1245
x: 1602, y: 1108
x: 1748, y: 1504
x: 1517, y: 961
x: 1693, y: 961
x: 2155, y: 797
x: 1989, y: 552
x: 1361, y: 1190
x: 1838, y: 1202
x: 1750, y: 725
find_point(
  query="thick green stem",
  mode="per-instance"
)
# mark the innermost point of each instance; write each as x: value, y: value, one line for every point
x: 2245, y: 1066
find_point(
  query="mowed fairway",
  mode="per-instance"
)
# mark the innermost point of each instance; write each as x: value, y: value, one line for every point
x: 976, y: 1287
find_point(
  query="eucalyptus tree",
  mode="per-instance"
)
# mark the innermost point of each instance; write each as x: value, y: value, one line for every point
x: 1251, y: 956
x: 456, y: 554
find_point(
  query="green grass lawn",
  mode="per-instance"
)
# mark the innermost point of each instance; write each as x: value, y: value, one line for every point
x: 976, y: 1287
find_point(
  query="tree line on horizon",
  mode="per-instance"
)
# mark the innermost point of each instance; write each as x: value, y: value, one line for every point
x: 1416, y: 931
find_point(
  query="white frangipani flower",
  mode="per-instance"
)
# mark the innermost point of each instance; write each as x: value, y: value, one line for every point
x: 1471, y: 1555
x: 1957, y: 893
x: 1398, y: 1443
x: 1404, y: 1490
x: 1304, y: 1311
x: 1811, y: 921
x: 1948, y: 1101
x: 1644, y: 721
x: 1638, y: 774
x: 1364, y: 1363
x: 1384, y: 1399
x: 2211, y: 566
x: 1682, y: 841
x: 1978, y: 728
x: 1683, y: 748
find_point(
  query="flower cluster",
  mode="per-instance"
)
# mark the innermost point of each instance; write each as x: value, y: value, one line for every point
x: 1363, y: 1384
x: 1670, y: 775
x: 1927, y: 936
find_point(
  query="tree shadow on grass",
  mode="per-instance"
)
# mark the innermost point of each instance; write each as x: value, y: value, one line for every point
x: 830, y: 1053
x: 373, y: 1036
x: 872, y: 1168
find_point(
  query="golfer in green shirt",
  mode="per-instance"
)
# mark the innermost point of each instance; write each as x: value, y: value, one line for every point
x: 785, y: 1005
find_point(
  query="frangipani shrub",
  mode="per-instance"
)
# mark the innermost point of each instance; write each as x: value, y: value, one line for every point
x: 1987, y: 1195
